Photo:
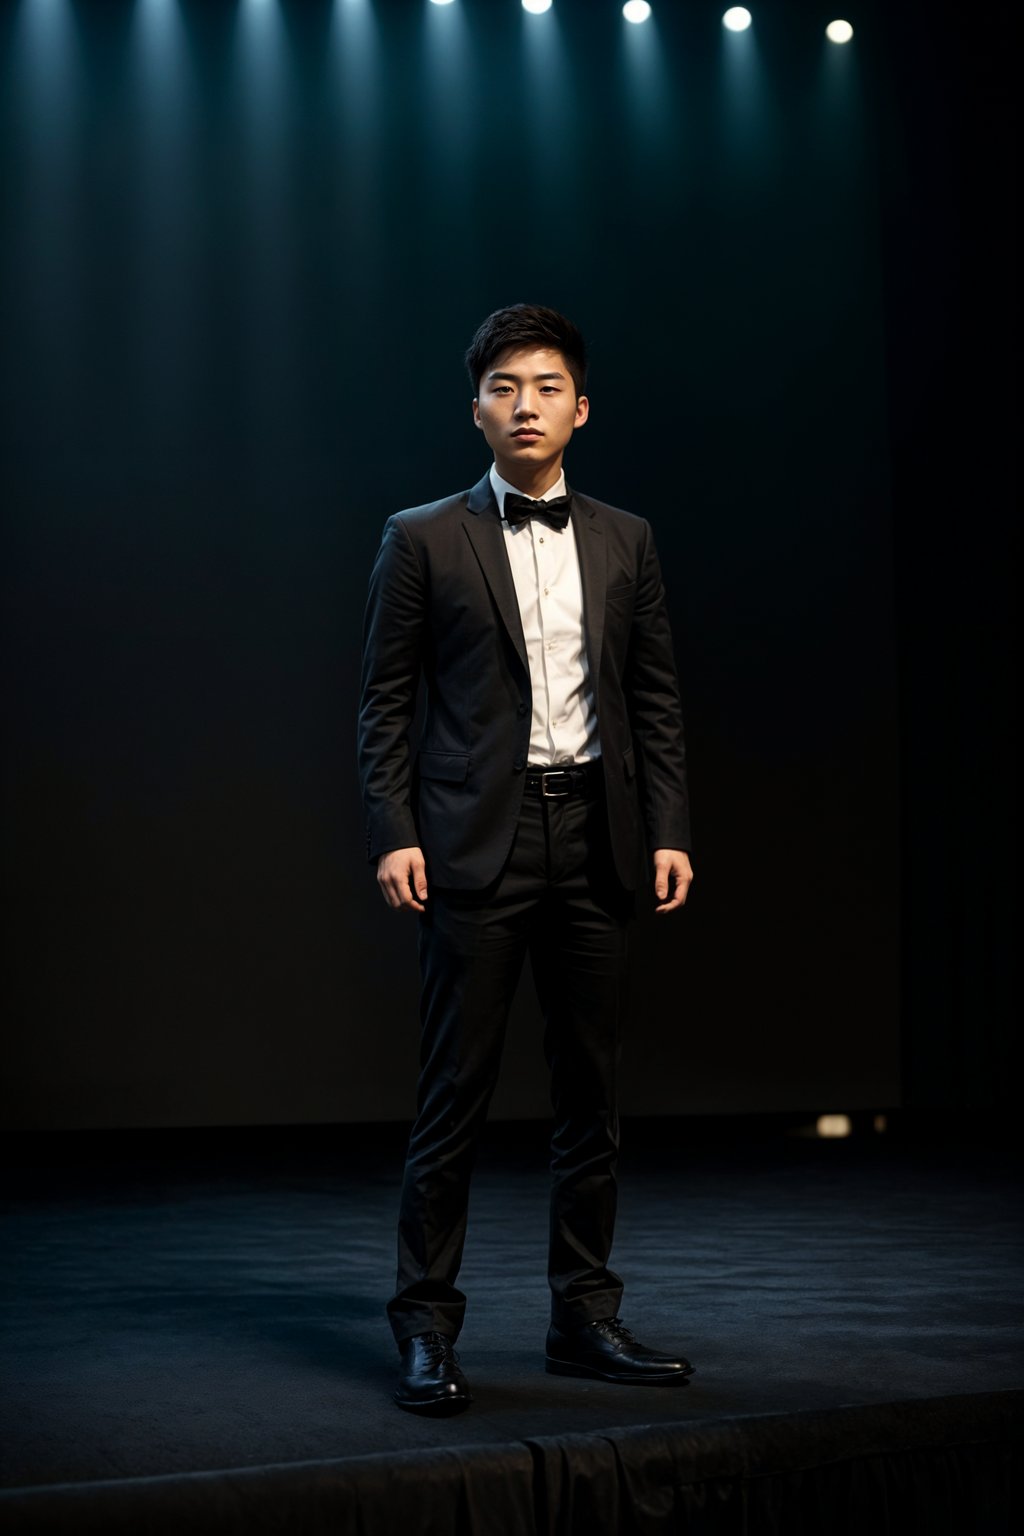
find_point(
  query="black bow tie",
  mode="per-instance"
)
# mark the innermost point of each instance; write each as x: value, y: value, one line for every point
x: 519, y: 509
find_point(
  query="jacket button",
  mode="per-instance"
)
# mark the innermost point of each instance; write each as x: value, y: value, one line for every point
x: 521, y: 710
x: 518, y: 765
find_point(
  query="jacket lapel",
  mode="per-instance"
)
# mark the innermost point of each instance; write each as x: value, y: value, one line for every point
x: 485, y: 533
x: 592, y: 553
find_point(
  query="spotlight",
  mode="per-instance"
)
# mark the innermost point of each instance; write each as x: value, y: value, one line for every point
x: 440, y: 2
x: 839, y: 31
x: 737, y: 18
x: 834, y: 1125
x: 636, y: 10
x: 536, y: 7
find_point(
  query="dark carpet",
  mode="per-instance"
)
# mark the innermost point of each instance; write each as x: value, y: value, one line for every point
x: 198, y: 1303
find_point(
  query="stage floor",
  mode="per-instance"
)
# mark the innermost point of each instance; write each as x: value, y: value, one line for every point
x: 213, y: 1302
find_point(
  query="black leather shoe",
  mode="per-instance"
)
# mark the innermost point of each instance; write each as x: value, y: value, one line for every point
x: 608, y: 1351
x: 431, y: 1381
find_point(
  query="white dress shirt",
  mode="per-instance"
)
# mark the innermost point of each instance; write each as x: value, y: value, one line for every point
x: 546, y: 573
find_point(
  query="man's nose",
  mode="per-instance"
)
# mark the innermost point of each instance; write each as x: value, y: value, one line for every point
x: 526, y: 406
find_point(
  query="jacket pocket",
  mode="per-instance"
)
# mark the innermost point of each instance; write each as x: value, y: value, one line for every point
x: 623, y: 589
x: 449, y: 767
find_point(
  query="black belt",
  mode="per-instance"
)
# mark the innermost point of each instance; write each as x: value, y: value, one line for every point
x: 560, y: 783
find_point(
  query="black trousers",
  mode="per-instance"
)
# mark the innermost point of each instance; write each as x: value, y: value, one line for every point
x: 558, y: 900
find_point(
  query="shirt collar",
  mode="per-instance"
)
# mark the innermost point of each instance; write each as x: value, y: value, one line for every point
x: 502, y: 487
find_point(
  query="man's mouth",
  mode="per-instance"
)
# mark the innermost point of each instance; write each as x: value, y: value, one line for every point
x: 527, y: 432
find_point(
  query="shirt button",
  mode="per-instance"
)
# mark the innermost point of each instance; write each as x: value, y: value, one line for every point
x: 546, y: 591
x: 540, y: 541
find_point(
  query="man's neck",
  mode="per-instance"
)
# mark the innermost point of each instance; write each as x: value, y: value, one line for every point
x: 531, y: 480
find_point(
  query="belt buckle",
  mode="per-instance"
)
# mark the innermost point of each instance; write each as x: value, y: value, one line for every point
x: 547, y: 794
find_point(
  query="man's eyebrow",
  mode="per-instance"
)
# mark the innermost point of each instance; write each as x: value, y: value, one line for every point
x: 517, y: 378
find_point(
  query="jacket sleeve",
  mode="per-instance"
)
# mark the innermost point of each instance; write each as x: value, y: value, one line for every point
x: 392, y: 644
x: 652, y: 693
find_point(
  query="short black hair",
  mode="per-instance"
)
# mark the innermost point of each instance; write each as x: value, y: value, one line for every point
x: 527, y: 325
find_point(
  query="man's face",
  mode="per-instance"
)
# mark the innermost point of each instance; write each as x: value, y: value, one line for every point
x: 528, y: 409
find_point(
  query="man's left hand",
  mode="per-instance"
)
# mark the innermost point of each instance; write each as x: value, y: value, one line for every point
x: 672, y: 878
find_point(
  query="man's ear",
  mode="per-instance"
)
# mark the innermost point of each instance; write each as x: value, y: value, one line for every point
x: 476, y: 414
x: 582, y: 411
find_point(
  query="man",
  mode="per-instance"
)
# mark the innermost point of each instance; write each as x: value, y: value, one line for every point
x: 552, y: 728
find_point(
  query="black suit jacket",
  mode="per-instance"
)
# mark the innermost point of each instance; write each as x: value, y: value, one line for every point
x: 443, y: 606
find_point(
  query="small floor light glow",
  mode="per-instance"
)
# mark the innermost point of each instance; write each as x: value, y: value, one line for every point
x: 636, y: 10
x: 536, y: 7
x: 440, y: 2
x: 737, y: 18
x: 839, y: 31
x: 834, y: 1125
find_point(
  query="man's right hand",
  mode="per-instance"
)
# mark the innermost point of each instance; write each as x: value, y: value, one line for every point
x: 402, y: 876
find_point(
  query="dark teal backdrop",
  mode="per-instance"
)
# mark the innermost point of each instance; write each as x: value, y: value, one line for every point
x: 244, y: 247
